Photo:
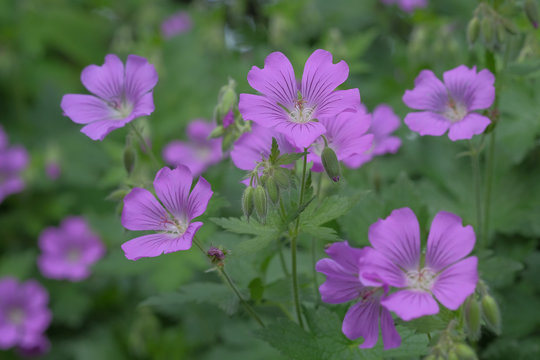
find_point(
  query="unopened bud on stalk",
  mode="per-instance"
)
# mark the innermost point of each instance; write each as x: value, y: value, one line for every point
x: 501, y: 33
x: 465, y: 352
x: 216, y: 255
x: 492, y: 314
x: 487, y: 29
x: 272, y: 189
x: 129, y: 158
x: 227, y: 99
x: 260, y: 202
x: 247, y: 201
x: 473, y: 315
x: 473, y: 30
x: 281, y: 177
x: 217, y: 132
x: 331, y: 164
x: 531, y: 10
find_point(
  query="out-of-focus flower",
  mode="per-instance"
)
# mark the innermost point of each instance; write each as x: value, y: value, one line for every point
x: 343, y: 284
x: 383, y: 123
x: 68, y: 251
x: 172, y: 220
x: 228, y: 119
x: 407, y: 5
x: 24, y: 315
x: 199, y: 152
x: 346, y: 135
x: 122, y: 94
x: 450, y: 105
x: 395, y: 261
x: 176, y: 24
x: 293, y: 110
x: 53, y: 170
x: 13, y: 160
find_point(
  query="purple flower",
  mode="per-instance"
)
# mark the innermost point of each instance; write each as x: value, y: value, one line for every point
x: 67, y: 252
x: 345, y: 134
x: 395, y: 260
x: 53, y: 170
x: 450, y: 105
x: 228, y: 119
x: 172, y: 220
x: 407, y: 5
x: 24, y: 315
x: 121, y: 95
x: 383, y: 123
x: 292, y: 110
x: 199, y: 152
x: 175, y: 24
x: 13, y: 160
x: 343, y: 284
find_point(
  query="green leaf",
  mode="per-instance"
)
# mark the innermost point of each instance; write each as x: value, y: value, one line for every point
x: 256, y: 289
x: 499, y: 271
x: 286, y: 159
x: 274, y: 151
x: 328, y: 209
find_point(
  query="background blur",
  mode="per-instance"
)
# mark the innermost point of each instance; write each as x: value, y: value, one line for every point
x: 133, y: 310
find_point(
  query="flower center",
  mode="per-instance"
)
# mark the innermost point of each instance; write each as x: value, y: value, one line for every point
x: 16, y: 316
x: 301, y: 113
x: 455, y: 111
x: 73, y: 255
x: 121, y: 108
x: 421, y: 280
x: 175, y: 226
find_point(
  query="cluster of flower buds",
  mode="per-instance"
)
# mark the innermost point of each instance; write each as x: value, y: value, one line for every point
x: 481, y: 308
x: 450, y: 346
x: 490, y: 26
x: 217, y: 255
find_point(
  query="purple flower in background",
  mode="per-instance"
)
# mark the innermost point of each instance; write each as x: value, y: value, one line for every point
x: 68, y: 251
x: 24, y: 315
x: 345, y: 134
x: 13, y: 160
x: 175, y: 24
x: 172, y: 220
x: 407, y: 5
x: 395, y: 260
x: 343, y: 284
x: 53, y: 170
x: 199, y: 152
x: 450, y: 105
x: 383, y: 123
x: 122, y: 94
x: 292, y: 110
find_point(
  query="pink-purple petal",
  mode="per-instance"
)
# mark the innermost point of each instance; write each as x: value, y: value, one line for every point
x: 483, y: 90
x: 411, y: 304
x: 97, y: 130
x: 427, y: 123
x: 172, y: 188
x: 336, y: 102
x: 376, y: 270
x: 456, y: 283
x: 429, y: 93
x: 85, y: 109
x: 141, y: 77
x: 143, y: 212
x: 472, y: 124
x: 106, y: 81
x: 199, y: 198
x: 390, y: 336
x: 261, y: 110
x: 362, y: 320
x: 301, y: 135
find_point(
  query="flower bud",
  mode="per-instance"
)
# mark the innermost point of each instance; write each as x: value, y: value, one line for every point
x: 217, y: 132
x: 216, y: 255
x: 227, y: 99
x: 501, y: 33
x: 331, y: 164
x: 465, y: 352
x: 247, y: 201
x: 281, y: 177
x: 260, y: 202
x: 473, y: 30
x: 487, y: 29
x: 492, y: 314
x: 473, y: 316
x: 272, y: 189
x: 509, y: 26
x: 129, y: 158
x: 531, y: 10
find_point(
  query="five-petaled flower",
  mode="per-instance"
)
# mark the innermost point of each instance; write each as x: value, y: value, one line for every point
x: 171, y: 217
x: 343, y: 284
x: 13, y: 160
x: 122, y: 94
x: 395, y: 260
x: 294, y: 110
x: 450, y: 105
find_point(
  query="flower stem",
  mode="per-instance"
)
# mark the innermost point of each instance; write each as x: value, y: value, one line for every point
x: 489, y: 184
x: 144, y: 144
x: 475, y: 162
x: 227, y: 279
x: 293, y: 247
x: 313, y: 265
x: 282, y: 260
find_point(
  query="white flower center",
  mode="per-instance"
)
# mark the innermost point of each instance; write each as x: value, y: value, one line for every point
x: 455, y: 111
x: 175, y: 227
x: 73, y: 255
x: 301, y: 113
x: 121, y: 108
x: 421, y: 280
x: 16, y: 316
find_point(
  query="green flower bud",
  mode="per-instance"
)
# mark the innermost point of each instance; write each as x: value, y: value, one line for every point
x: 129, y: 159
x: 473, y: 30
x: 510, y: 26
x: 282, y: 178
x: 260, y: 202
x: 452, y: 355
x: 247, y: 201
x: 487, y: 29
x: 217, y: 132
x: 272, y: 189
x: 501, y: 33
x: 465, y: 352
x: 227, y: 101
x: 473, y: 315
x: 492, y: 314
x: 228, y: 140
x: 331, y: 164
x: 531, y: 10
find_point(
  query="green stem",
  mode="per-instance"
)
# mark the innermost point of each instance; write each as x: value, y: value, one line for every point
x: 313, y: 265
x: 232, y: 286
x: 475, y: 162
x: 489, y: 184
x: 282, y: 260
x: 145, y: 145
x: 293, y: 247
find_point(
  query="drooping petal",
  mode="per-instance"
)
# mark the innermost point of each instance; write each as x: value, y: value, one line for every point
x: 427, y: 123
x: 99, y: 129
x: 261, y: 110
x: 172, y: 188
x: 199, y: 198
x: 336, y: 102
x: 276, y: 80
x: 362, y: 320
x: 376, y: 269
x: 398, y: 238
x: 411, y: 304
x: 321, y: 77
x: 456, y: 283
x: 85, y: 109
x: 143, y: 212
x: 156, y: 244
x: 429, y: 93
x: 390, y: 336
x: 301, y: 135
x: 106, y: 81
x: 141, y: 77
x: 472, y: 124
x: 448, y: 241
